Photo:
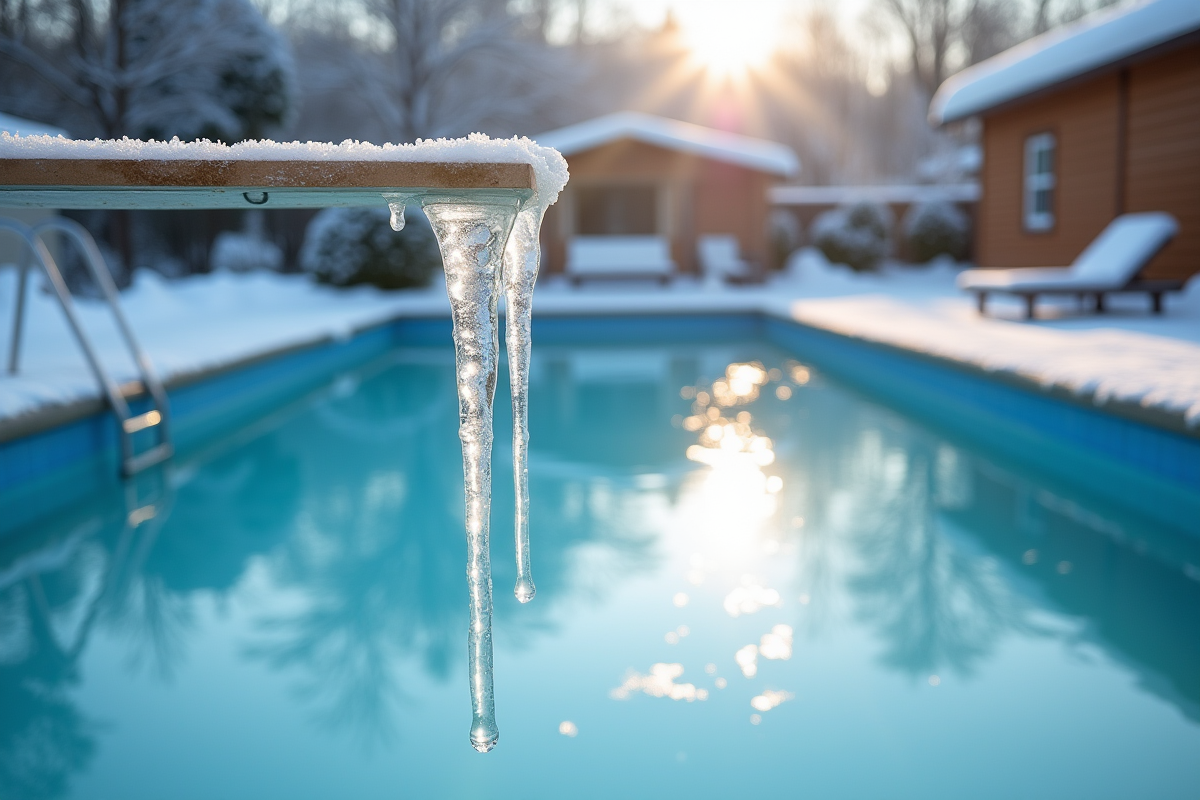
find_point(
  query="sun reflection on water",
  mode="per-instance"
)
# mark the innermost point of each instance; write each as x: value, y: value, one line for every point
x: 659, y: 682
x: 730, y: 514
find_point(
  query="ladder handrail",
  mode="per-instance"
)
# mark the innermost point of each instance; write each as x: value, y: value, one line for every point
x: 31, y: 236
x: 50, y: 268
x: 95, y: 261
x: 14, y: 343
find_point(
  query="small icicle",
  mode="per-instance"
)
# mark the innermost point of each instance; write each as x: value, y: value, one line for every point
x: 521, y: 261
x: 397, y: 209
x: 472, y: 238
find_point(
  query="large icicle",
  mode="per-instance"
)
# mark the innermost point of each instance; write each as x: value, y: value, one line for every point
x: 521, y: 261
x: 472, y: 236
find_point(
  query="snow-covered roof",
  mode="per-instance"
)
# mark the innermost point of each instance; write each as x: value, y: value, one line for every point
x: 757, y: 154
x: 1094, y: 42
x: 27, y: 127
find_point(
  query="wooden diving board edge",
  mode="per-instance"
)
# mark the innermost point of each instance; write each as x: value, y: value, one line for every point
x: 212, y: 183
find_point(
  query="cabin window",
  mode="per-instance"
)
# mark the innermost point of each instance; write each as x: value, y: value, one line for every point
x: 618, y: 210
x: 1039, y: 182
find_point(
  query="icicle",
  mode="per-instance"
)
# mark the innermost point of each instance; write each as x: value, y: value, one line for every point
x: 397, y: 208
x: 472, y: 237
x: 521, y: 261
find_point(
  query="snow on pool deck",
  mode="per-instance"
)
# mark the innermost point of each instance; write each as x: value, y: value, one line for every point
x: 208, y: 321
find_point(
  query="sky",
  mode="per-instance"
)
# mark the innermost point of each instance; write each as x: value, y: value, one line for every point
x: 766, y: 17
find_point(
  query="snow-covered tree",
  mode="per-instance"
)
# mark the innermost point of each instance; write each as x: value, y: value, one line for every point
x: 161, y: 68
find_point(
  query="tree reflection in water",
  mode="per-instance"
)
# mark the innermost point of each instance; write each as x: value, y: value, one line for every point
x: 346, y: 509
x: 936, y: 604
x: 376, y: 556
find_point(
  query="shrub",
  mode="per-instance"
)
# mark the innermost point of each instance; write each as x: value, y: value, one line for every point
x: 936, y: 228
x: 242, y: 252
x: 348, y: 246
x: 785, y: 236
x: 855, y: 235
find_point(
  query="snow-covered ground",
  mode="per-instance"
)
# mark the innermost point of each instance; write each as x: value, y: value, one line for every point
x: 206, y: 321
x: 185, y: 326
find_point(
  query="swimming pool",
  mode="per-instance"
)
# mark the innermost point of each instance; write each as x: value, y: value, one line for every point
x: 867, y: 603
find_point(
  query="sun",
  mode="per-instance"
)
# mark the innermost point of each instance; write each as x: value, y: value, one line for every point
x: 729, y: 39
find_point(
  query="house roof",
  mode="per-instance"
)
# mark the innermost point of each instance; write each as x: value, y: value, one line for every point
x: 756, y: 154
x: 27, y: 127
x: 1094, y: 42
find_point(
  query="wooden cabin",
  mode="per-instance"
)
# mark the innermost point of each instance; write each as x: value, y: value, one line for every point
x: 1083, y: 124
x: 635, y: 174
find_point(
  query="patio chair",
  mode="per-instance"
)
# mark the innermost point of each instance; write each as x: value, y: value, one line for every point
x: 590, y: 257
x: 1109, y: 265
x: 721, y: 259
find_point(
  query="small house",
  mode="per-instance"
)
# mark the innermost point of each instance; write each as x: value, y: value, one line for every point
x: 635, y: 174
x: 1082, y: 124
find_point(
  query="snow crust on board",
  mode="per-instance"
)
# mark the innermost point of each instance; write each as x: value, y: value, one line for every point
x: 549, y: 166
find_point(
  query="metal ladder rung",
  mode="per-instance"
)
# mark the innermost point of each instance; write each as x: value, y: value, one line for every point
x: 155, y: 455
x: 142, y: 421
x: 157, y: 417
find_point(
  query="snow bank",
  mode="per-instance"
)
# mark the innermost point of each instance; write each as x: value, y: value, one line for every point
x: 549, y: 166
x: 186, y: 326
x: 1126, y: 355
x: 1108, y: 364
x: 210, y: 320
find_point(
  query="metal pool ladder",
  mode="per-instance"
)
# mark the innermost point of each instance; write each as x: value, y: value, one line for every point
x: 132, y: 462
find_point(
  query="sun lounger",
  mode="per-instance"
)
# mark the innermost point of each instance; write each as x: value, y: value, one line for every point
x: 721, y: 259
x: 591, y: 257
x: 1109, y: 265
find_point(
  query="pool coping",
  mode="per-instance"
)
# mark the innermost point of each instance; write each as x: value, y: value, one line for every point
x: 53, y: 415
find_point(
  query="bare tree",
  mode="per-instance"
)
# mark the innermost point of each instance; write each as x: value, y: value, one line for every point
x: 930, y: 27
x: 435, y: 68
x: 1051, y: 14
x: 944, y: 36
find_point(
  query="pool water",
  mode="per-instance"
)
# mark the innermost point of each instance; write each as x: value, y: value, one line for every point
x: 820, y: 597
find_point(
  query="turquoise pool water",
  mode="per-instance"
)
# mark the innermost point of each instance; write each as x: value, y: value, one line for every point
x: 287, y: 620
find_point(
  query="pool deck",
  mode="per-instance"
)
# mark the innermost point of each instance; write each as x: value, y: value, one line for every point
x: 1125, y: 362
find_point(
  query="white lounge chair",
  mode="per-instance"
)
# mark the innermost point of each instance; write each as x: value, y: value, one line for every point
x: 619, y: 257
x: 721, y: 259
x: 1109, y: 265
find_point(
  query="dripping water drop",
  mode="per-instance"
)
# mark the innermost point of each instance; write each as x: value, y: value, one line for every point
x: 525, y: 590
x: 397, y: 208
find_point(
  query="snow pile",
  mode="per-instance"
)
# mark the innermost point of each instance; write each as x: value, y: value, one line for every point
x: 243, y: 252
x: 549, y: 166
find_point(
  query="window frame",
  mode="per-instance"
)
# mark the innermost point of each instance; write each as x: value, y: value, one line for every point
x: 1038, y: 182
